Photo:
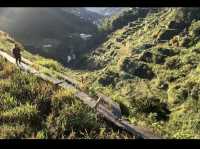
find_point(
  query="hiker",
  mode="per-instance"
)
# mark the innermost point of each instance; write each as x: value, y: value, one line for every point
x: 17, y: 55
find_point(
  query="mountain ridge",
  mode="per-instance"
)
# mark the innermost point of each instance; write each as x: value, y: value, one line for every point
x: 150, y: 66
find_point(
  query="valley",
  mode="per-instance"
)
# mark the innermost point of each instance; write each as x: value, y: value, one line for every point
x: 145, y: 59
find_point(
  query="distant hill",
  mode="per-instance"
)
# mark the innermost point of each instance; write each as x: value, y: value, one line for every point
x: 149, y: 63
x: 85, y: 14
x: 59, y: 31
x: 106, y: 11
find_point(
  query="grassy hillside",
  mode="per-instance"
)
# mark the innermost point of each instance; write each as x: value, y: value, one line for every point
x: 32, y: 108
x: 153, y: 74
x: 150, y: 66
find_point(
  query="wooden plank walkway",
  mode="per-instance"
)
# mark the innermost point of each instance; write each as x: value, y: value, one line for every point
x: 108, y: 108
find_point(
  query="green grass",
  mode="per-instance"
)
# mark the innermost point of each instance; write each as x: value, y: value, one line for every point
x: 32, y: 108
x: 167, y: 102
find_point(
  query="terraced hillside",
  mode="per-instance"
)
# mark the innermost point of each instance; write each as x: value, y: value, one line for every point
x: 150, y: 66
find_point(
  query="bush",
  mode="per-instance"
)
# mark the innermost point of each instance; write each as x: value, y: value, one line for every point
x: 173, y: 62
x: 27, y: 114
x: 21, y: 87
x: 7, y: 102
x: 137, y: 68
x: 41, y: 135
x: 193, y: 89
x: 162, y: 84
x: 195, y: 92
x: 173, y: 75
x: 191, y: 58
x: 42, y: 101
x: 5, y: 85
x: 76, y: 118
x: 187, y: 42
x: 61, y: 98
x: 124, y: 108
x: 146, y: 56
x: 177, y: 94
x: 12, y: 132
x: 159, y: 59
x: 7, y: 70
x: 109, y: 78
x: 125, y: 76
x: 149, y: 105
x: 195, y: 29
x: 50, y: 64
x: 166, y: 52
x: 184, y: 123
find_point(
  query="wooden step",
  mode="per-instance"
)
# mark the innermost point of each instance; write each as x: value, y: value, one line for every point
x: 111, y: 113
x: 115, y: 108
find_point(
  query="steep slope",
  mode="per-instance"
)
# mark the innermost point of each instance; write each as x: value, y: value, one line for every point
x: 150, y: 67
x: 36, y: 109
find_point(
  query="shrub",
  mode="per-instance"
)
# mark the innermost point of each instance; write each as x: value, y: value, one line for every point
x: 159, y: 59
x: 125, y: 75
x: 162, y: 84
x: 12, y: 132
x: 166, y: 52
x: 193, y: 89
x: 151, y: 104
x: 124, y: 108
x: 51, y: 64
x: 173, y: 62
x: 109, y: 78
x: 173, y: 75
x: 7, y: 102
x: 41, y: 96
x: 184, y: 123
x: 21, y: 87
x: 75, y: 117
x: 190, y: 58
x: 195, y: 92
x: 177, y: 94
x: 146, y: 56
x: 137, y: 68
x: 8, y: 70
x: 5, y: 85
x: 195, y: 29
x: 62, y: 97
x: 22, y: 114
x: 162, y: 53
x: 196, y: 50
x: 187, y: 42
x: 41, y: 135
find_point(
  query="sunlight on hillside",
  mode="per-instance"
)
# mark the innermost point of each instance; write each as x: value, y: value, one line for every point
x: 145, y: 60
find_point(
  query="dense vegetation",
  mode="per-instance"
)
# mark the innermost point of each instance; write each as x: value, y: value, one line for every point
x: 32, y: 108
x: 150, y: 65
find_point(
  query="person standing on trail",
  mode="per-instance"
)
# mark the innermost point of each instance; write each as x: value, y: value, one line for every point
x: 17, y: 54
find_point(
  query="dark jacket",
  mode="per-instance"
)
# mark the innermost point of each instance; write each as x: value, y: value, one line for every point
x: 16, y: 52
